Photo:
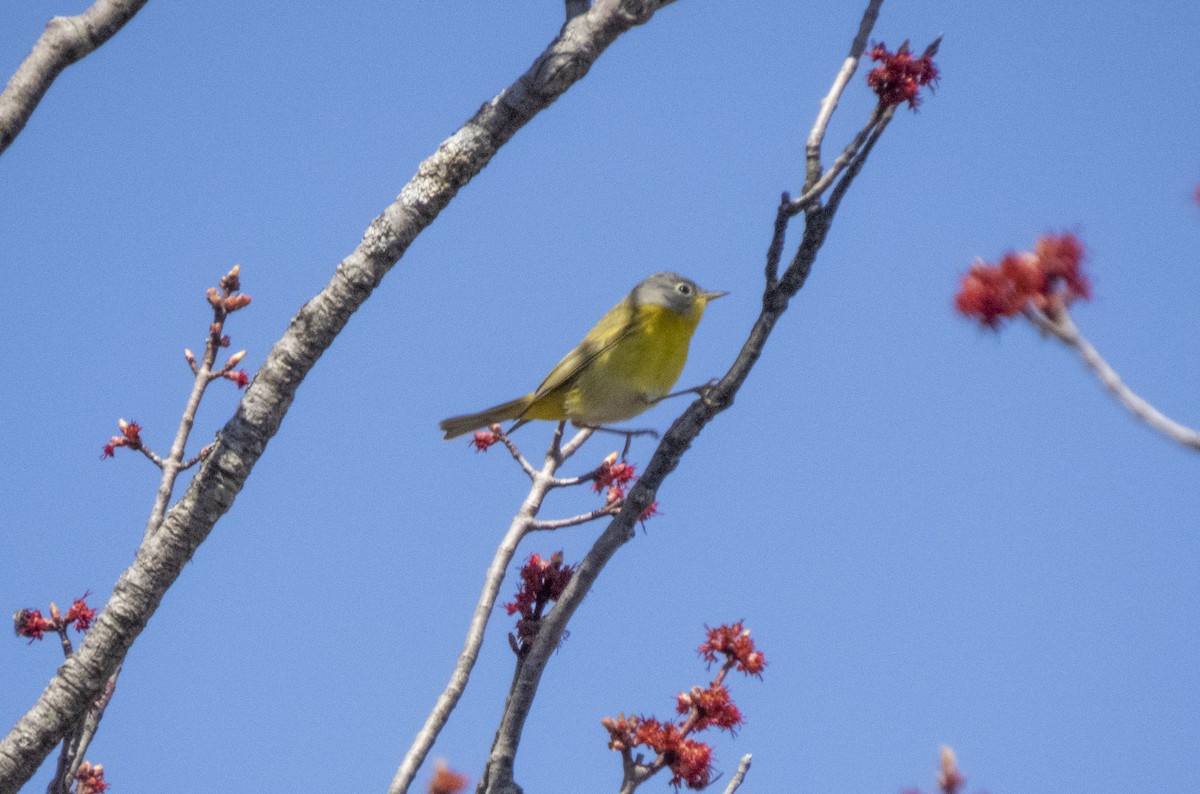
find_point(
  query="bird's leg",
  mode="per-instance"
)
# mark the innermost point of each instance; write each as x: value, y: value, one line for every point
x: 700, y: 390
x: 629, y: 434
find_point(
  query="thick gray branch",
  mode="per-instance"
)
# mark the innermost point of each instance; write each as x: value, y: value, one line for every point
x: 65, y: 41
x: 240, y: 443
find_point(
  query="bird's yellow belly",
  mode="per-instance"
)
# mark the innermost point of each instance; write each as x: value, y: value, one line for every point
x: 629, y: 377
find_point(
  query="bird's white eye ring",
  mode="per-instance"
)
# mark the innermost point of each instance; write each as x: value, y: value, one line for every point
x: 684, y: 289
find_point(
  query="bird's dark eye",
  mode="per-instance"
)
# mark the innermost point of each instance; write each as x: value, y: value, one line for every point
x: 684, y: 289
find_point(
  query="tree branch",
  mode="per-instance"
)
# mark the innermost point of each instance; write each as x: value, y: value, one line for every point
x: 739, y: 776
x: 523, y: 522
x: 1062, y: 327
x: 65, y: 41
x: 244, y: 437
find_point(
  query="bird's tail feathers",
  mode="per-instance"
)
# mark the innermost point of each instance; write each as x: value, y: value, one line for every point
x: 513, y: 409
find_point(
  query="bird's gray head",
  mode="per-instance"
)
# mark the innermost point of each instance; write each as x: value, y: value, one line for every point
x: 673, y: 291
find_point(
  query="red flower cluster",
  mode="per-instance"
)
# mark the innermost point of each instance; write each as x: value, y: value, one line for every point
x: 30, y: 623
x: 542, y: 581
x: 484, y: 439
x: 1048, y: 279
x: 690, y: 761
x: 80, y: 615
x: 709, y: 707
x: 90, y: 778
x: 734, y: 643
x: 240, y: 378
x: 615, y: 477
x: 900, y: 76
x: 130, y: 437
x: 446, y: 781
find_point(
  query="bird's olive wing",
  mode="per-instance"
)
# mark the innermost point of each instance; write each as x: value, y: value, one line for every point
x: 614, y: 326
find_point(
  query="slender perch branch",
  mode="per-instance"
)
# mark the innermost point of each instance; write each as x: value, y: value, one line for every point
x: 1062, y: 327
x: 244, y: 437
x: 64, y: 41
x: 739, y: 776
x: 522, y: 524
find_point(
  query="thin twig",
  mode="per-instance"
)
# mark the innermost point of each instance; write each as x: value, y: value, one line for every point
x: 64, y: 41
x: 149, y: 453
x: 1062, y: 327
x: 812, y: 149
x: 570, y: 482
x: 172, y: 465
x: 813, y: 193
x: 575, y: 443
x: 525, y: 465
x: 573, y: 521
x: 739, y: 776
x: 190, y: 462
x: 523, y: 522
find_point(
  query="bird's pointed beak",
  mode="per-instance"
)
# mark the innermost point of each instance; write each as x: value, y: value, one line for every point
x: 712, y: 296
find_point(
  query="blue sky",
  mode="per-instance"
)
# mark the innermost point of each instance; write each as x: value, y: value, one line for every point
x: 937, y: 534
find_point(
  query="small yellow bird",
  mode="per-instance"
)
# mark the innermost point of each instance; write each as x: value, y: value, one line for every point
x: 625, y: 364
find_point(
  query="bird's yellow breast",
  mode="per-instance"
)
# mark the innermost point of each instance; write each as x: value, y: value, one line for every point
x: 628, y: 377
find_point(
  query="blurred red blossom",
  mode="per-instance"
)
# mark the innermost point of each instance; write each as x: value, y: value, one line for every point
x: 1048, y: 279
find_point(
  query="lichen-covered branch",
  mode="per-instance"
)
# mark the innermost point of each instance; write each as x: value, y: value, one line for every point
x: 244, y: 437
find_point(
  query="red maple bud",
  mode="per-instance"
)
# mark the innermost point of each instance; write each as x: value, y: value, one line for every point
x: 615, y: 495
x: 900, y: 76
x: 542, y: 581
x: 734, y: 643
x: 446, y: 781
x: 30, y: 623
x: 950, y: 779
x: 240, y: 378
x: 131, y: 431
x: 712, y: 706
x: 90, y: 779
x: 231, y: 282
x: 691, y: 764
x: 214, y: 297
x: 612, y: 474
x: 223, y: 341
x: 80, y: 615
x: 622, y: 731
x: 235, y: 302
x: 109, y: 451
x: 482, y: 439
